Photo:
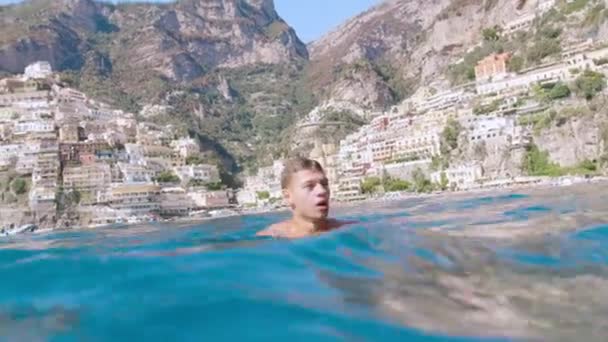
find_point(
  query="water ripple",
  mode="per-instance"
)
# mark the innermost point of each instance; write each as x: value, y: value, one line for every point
x: 526, y: 265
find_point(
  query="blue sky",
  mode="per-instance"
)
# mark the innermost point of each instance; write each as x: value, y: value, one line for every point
x: 310, y: 18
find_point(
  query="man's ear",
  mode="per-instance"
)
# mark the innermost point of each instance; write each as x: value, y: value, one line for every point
x: 287, y: 197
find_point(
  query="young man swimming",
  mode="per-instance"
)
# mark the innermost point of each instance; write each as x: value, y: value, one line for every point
x: 306, y: 191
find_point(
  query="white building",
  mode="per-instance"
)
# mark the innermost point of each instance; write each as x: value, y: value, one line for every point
x: 135, y: 199
x: 267, y: 179
x: 443, y: 100
x: 33, y: 96
x: 201, y: 173
x: 522, y: 23
x: 461, y: 177
x: 41, y: 198
x: 174, y: 202
x: 68, y: 95
x: 6, y: 131
x: 210, y: 199
x: 544, y: 6
x: 422, y: 145
x: 132, y: 173
x: 246, y: 197
x: 40, y: 126
x: 489, y: 128
x: 26, y: 164
x: 548, y: 74
x: 135, y: 153
x: 40, y: 69
x: 12, y: 151
x: 186, y: 147
x: 349, y: 189
x: 46, y: 171
x: 9, y: 114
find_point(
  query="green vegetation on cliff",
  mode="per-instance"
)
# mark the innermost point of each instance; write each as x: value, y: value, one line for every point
x: 449, y: 137
x: 537, y: 163
x: 167, y: 177
x: 589, y: 83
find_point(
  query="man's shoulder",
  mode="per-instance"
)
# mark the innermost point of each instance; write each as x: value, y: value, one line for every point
x: 274, y: 230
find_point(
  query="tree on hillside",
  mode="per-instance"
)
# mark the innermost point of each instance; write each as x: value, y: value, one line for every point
x: 421, y: 183
x: 515, y: 64
x: 370, y: 185
x: 449, y: 136
x: 490, y: 34
x: 394, y: 184
x: 263, y: 195
x: 19, y: 186
x: 167, y: 177
x: 444, y: 183
x: 559, y: 90
x: 537, y: 163
x: 589, y: 83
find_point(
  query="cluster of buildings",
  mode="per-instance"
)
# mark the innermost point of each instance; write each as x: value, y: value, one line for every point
x: 407, y: 138
x: 63, y: 142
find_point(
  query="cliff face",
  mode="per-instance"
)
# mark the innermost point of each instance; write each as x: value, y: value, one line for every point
x: 235, y: 72
x: 571, y: 141
x: 180, y: 41
x: 223, y: 68
x: 406, y: 43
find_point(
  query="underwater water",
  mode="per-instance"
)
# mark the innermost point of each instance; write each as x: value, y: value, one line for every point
x: 495, y: 266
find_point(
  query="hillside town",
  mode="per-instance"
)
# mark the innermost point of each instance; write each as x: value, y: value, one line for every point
x: 406, y: 144
x: 68, y: 160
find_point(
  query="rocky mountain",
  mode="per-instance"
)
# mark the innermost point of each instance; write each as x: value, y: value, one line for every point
x: 178, y: 41
x: 234, y: 73
x: 217, y: 65
x: 384, y: 54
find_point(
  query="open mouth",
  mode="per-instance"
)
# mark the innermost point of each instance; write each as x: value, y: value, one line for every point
x: 323, y: 205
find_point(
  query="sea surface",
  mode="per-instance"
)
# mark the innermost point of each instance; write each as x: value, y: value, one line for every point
x: 493, y: 266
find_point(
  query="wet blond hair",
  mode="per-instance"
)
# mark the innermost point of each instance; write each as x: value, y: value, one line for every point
x: 297, y: 164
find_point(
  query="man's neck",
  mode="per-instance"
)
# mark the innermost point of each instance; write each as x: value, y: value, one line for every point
x: 309, y: 226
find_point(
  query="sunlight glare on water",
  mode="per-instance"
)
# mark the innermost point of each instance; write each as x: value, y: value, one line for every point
x: 500, y: 266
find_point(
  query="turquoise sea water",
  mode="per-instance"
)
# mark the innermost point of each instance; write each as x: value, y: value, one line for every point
x: 488, y: 267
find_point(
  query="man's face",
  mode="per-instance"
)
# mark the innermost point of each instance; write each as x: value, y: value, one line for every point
x: 308, y: 194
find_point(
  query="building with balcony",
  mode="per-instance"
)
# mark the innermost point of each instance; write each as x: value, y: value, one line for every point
x: 42, y: 200
x: 185, y: 147
x: 133, y: 173
x: 46, y: 170
x: 87, y: 178
x: 459, y: 177
x: 68, y: 95
x: 34, y: 127
x: 135, y: 199
x: 523, y: 23
x: 199, y: 173
x: 12, y: 152
x: 28, y: 96
x: 71, y: 152
x: 214, y: 199
x: 71, y: 133
x: 443, y: 100
x: 174, y: 202
x: 419, y: 146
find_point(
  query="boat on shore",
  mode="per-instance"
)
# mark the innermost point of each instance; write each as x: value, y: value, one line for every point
x: 24, y: 229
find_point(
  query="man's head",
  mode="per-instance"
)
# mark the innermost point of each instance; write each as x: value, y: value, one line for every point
x: 306, y: 188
